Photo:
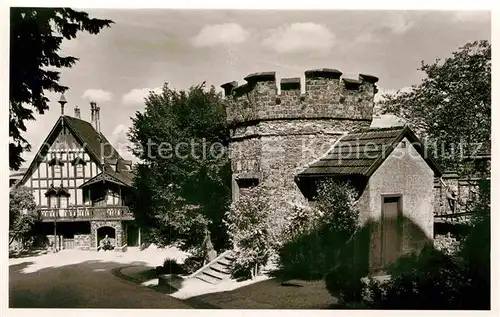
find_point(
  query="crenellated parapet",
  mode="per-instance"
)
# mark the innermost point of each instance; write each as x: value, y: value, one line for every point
x: 327, y: 96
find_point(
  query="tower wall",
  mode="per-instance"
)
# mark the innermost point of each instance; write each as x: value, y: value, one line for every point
x: 274, y: 136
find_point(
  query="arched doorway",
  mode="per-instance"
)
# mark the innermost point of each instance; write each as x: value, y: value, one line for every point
x: 106, y: 231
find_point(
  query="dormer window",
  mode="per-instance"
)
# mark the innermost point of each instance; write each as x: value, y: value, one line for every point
x: 51, y: 195
x: 56, y: 162
x: 57, y: 198
x: 51, y: 191
x: 78, y: 161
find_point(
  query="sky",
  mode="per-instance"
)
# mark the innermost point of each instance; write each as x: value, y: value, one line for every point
x: 143, y: 49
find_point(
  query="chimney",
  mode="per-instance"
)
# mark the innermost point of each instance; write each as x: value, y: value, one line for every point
x: 62, y: 101
x: 92, y: 113
x: 97, y: 119
x: 77, y: 113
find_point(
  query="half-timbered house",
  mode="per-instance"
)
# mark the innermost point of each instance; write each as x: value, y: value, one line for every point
x: 82, y: 186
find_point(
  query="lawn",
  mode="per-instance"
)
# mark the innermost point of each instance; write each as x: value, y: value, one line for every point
x: 271, y: 294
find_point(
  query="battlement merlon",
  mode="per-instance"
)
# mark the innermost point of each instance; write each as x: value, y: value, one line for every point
x: 327, y: 95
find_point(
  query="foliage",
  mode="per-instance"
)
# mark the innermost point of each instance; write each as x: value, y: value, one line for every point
x: 447, y: 244
x: 344, y: 282
x: 248, y: 226
x: 430, y: 279
x: 433, y: 279
x: 170, y: 266
x: 316, y: 237
x: 301, y: 220
x: 36, y: 35
x: 23, y: 215
x: 336, y: 205
x: 481, y: 207
x: 452, y: 104
x: 476, y: 252
x: 192, y: 264
x: 183, y: 180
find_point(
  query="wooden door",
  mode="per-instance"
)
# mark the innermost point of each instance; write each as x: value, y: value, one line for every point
x: 391, y: 231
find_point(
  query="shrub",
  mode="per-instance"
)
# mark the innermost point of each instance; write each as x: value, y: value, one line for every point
x: 192, y: 264
x: 247, y: 222
x: 476, y: 252
x: 430, y: 279
x: 315, y: 237
x: 447, y: 244
x: 446, y: 274
x: 170, y: 266
x: 344, y: 282
x: 23, y: 215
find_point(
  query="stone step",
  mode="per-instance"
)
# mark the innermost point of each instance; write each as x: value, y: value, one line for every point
x: 207, y: 278
x: 211, y: 274
x: 225, y: 262
x: 222, y: 268
x: 210, y: 271
x: 230, y: 257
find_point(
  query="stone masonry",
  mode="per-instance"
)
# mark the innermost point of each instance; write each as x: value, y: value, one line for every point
x: 119, y: 232
x: 274, y: 136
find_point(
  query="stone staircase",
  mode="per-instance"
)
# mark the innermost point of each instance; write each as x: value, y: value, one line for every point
x: 217, y: 270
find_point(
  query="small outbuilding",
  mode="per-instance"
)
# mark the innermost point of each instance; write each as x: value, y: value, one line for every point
x: 394, y: 175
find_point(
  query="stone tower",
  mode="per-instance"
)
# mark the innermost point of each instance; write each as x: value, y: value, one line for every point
x: 274, y: 136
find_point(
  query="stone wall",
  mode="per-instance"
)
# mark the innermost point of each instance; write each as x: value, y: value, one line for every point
x: 120, y: 236
x: 50, y: 241
x: 466, y: 190
x: 83, y: 241
x: 274, y: 136
x: 326, y: 96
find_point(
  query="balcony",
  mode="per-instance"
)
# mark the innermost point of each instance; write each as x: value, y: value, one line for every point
x: 86, y: 213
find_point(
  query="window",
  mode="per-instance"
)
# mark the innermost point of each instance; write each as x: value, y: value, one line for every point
x: 56, y: 171
x: 248, y: 183
x: 79, y: 170
x: 64, y: 202
x: 403, y: 144
x: 53, y: 202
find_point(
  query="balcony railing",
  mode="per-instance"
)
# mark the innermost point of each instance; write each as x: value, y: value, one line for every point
x: 86, y: 213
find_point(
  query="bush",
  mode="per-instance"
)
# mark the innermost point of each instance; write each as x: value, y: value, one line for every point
x: 345, y: 283
x: 170, y: 266
x: 247, y: 222
x: 241, y: 271
x: 447, y: 244
x: 430, y: 279
x: 446, y: 274
x: 192, y: 264
x: 315, y: 237
x: 23, y: 216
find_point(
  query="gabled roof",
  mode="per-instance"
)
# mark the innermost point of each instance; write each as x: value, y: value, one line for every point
x: 362, y: 152
x: 84, y: 133
x: 92, y: 139
x: 122, y: 178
